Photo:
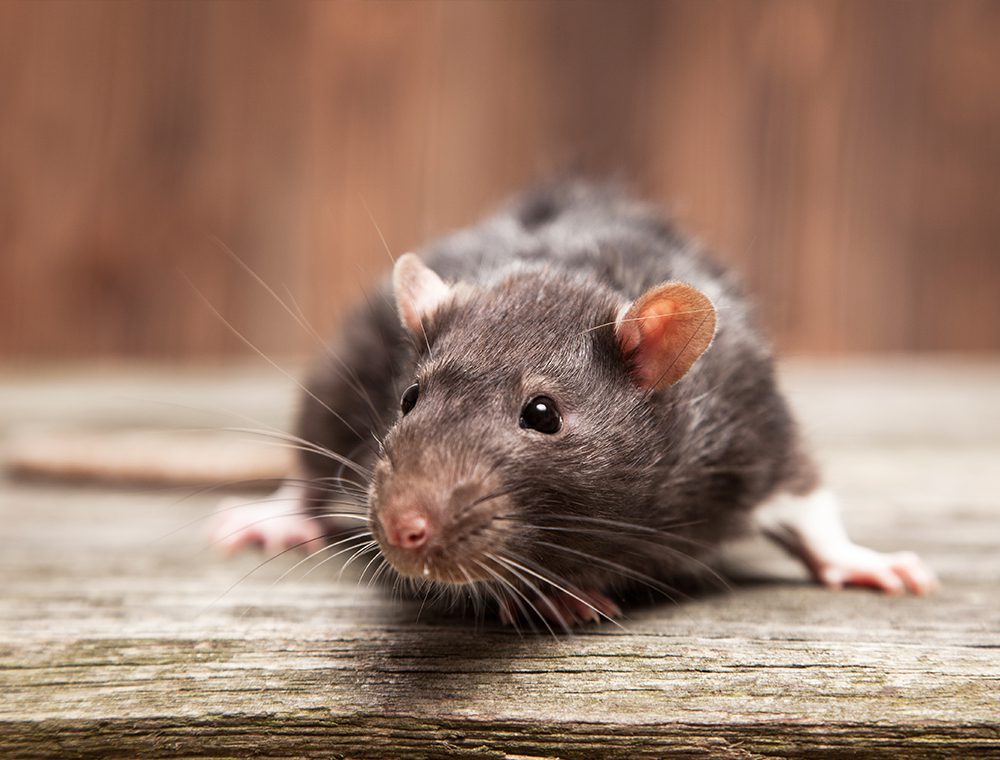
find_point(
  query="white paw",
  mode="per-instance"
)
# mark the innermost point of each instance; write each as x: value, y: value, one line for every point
x: 855, y: 565
x: 274, y: 523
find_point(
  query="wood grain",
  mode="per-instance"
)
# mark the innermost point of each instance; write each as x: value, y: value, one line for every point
x: 121, y: 636
x: 844, y: 156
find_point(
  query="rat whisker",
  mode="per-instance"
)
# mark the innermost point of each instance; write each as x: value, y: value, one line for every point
x: 362, y: 534
x: 624, y: 525
x: 309, y: 446
x: 641, y: 319
x: 646, y: 580
x: 299, y: 318
x: 264, y: 431
x: 383, y: 564
x: 392, y: 258
x: 473, y: 589
x: 495, y: 495
x: 292, y: 446
x: 246, y: 341
x: 362, y: 551
x: 246, y: 575
x: 295, y: 443
x: 516, y: 597
x: 337, y: 481
x: 350, y: 457
x: 222, y: 539
x: 352, y: 379
x: 346, y: 515
x: 361, y: 578
x: 559, y: 587
x: 500, y: 596
x: 539, y: 594
x: 364, y: 548
x: 623, y: 546
x: 223, y: 510
x: 426, y: 595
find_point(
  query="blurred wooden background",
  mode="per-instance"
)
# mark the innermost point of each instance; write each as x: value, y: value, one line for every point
x: 845, y: 156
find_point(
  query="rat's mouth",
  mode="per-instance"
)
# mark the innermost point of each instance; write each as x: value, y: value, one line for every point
x: 438, y: 527
x: 434, y: 564
x: 450, y: 549
x: 454, y: 557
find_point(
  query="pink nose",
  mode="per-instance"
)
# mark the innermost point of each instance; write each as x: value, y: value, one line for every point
x: 407, y: 530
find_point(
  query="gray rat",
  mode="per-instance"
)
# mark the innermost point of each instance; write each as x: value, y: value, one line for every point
x: 555, y: 406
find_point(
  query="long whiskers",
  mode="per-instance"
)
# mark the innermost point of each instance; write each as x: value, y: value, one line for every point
x: 392, y: 258
x: 328, y: 515
x: 370, y: 546
x: 623, y: 570
x: 304, y: 445
x: 322, y: 550
x: 517, y: 596
x: 545, y: 577
x: 246, y: 575
x: 240, y: 504
x: 300, y: 318
x: 539, y: 595
x: 252, y: 346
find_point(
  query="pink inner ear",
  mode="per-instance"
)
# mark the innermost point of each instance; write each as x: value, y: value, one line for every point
x: 654, y: 320
x: 653, y: 323
x: 419, y: 291
x: 665, y: 331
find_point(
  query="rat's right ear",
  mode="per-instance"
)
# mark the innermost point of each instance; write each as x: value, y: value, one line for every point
x: 418, y: 290
x: 664, y: 331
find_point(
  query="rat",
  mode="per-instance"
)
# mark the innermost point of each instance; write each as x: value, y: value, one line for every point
x: 567, y: 401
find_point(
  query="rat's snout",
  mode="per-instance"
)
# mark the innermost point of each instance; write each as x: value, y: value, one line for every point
x: 437, y: 522
x: 407, y: 528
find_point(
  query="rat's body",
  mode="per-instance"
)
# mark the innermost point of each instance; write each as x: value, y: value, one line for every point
x: 570, y: 426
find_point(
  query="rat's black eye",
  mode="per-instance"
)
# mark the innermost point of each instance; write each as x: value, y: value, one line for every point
x: 409, y: 400
x: 542, y: 415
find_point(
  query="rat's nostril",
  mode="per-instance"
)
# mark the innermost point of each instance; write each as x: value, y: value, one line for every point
x: 415, y: 536
x: 407, y: 531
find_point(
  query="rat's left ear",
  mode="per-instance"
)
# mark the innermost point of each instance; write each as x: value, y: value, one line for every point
x: 418, y: 290
x: 664, y: 331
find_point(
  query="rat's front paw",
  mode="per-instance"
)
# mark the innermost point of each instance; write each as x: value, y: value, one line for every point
x: 272, y: 524
x: 564, y: 609
x: 850, y: 564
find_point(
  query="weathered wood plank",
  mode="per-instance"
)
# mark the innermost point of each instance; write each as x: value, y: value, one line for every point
x: 114, y: 641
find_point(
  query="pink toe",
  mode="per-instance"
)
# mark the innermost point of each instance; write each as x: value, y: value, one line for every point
x: 581, y: 611
x: 914, y: 573
x: 833, y: 577
x: 556, y: 612
x: 241, y: 540
x: 889, y: 582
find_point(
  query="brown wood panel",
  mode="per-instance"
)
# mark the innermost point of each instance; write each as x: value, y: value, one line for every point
x: 845, y: 156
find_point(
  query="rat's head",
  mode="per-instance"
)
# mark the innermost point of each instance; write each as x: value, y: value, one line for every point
x: 528, y: 403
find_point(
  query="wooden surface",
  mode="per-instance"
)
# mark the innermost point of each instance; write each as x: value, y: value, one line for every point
x: 844, y: 154
x: 114, y: 641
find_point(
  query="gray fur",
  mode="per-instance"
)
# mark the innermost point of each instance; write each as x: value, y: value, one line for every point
x: 691, y: 460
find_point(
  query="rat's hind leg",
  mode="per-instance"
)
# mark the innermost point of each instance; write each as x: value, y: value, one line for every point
x: 274, y: 523
x: 810, y: 527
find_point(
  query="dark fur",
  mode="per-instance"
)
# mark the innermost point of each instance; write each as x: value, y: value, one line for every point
x: 691, y: 460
